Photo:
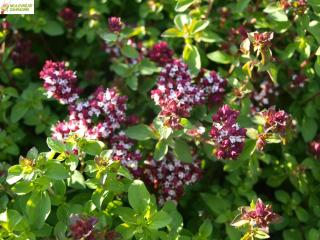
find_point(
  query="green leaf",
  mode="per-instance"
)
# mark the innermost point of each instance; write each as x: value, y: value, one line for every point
x: 242, y: 5
x: 205, y: 229
x: 55, y: 145
x: 126, y: 231
x: 53, y: 28
x: 220, y: 57
x: 159, y: 220
x: 210, y: 37
x: 11, y: 218
x: 317, y: 66
x: 172, y: 33
x: 199, y: 26
x: 314, y: 29
x: 181, y: 20
x: 302, y: 214
x: 109, y: 37
x: 313, y: 234
x: 282, y: 196
x: 273, y: 72
x: 129, y: 52
x: 121, y: 69
x: 32, y: 153
x: 183, y: 151
x: 192, y: 57
x: 183, y: 5
x: 217, y: 204
x: 126, y: 214
x: 160, y: 150
x: 14, y: 174
x: 18, y: 111
x: 309, y: 129
x: 93, y: 147
x: 138, y: 196
x: 259, y: 234
x: 140, y: 132
x: 38, y: 208
x: 56, y: 170
x: 22, y: 188
x: 132, y: 82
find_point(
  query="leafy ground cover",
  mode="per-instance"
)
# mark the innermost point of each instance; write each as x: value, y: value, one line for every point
x: 146, y: 119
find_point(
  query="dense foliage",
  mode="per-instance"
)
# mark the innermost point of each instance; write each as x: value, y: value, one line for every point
x: 161, y: 119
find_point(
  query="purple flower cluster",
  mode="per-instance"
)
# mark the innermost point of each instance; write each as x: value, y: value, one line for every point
x: 82, y: 228
x: 298, y: 81
x: 122, y: 151
x: 161, y: 53
x: 64, y: 129
x: 226, y: 133
x: 69, y: 16
x: 22, y: 54
x: 175, y: 93
x: 115, y: 24
x: 260, y: 216
x: 60, y: 82
x: 106, y: 107
x: 169, y: 176
x: 265, y: 96
x: 96, y: 117
x: 214, y: 87
x: 277, y: 121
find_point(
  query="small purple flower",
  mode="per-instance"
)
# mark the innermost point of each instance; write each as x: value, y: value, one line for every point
x: 161, y: 53
x: 277, y: 121
x: 103, y: 112
x: 169, y: 177
x: 258, y: 215
x: 60, y: 82
x: 175, y: 93
x: 298, y: 81
x: 265, y: 96
x: 22, y: 54
x: 63, y: 130
x: 214, y: 87
x: 115, y: 24
x: 82, y: 228
x: 226, y: 133
x: 69, y: 17
x: 122, y: 151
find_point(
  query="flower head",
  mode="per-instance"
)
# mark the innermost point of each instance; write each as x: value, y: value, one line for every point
x: 115, y: 24
x: 161, y: 53
x: 22, y: 54
x: 60, y: 82
x: 82, y: 228
x: 69, y: 17
x: 298, y: 81
x: 122, y: 151
x: 175, y: 93
x: 103, y: 112
x: 226, y: 133
x: 277, y: 121
x: 214, y: 87
x: 257, y: 215
x: 261, y: 39
x: 169, y: 177
x: 264, y: 96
